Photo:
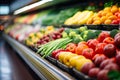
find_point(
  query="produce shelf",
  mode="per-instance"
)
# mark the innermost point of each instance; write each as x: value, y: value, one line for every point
x: 44, y: 69
x: 94, y: 27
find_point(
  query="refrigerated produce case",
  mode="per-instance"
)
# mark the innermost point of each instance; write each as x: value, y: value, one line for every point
x: 44, y: 69
x: 48, y: 68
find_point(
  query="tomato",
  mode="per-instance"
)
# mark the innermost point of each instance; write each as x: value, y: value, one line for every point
x: 71, y: 47
x: 115, y: 22
x: 88, y: 53
x: 108, y: 40
x: 89, y: 41
x: 102, y: 36
x: 82, y: 42
x: 55, y: 52
x: 80, y: 48
x: 100, y: 48
x: 92, y: 43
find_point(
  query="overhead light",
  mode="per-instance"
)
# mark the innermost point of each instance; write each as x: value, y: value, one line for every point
x: 31, y: 6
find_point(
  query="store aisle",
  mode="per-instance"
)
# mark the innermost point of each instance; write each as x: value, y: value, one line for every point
x: 11, y: 65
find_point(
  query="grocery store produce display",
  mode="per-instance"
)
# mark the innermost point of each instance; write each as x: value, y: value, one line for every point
x: 79, y: 48
x: 20, y: 31
x: 109, y: 15
x: 34, y: 38
x: 89, y: 50
x: 95, y: 61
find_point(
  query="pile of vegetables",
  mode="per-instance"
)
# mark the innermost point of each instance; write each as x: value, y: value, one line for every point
x: 59, y: 16
x: 80, y: 34
x: 46, y: 49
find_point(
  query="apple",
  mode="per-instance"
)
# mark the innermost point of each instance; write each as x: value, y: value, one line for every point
x: 117, y: 51
x: 99, y: 59
x: 113, y: 59
x: 118, y: 59
x: 106, y: 62
x: 117, y: 35
x: 55, y: 33
x: 109, y: 50
x: 102, y: 75
x: 88, y: 53
x: 95, y: 56
x: 108, y: 40
x: 112, y: 66
x: 117, y: 42
x: 92, y: 43
x: 102, y: 36
x: 74, y: 59
x: 59, y: 36
x: 57, y: 56
x: 47, y: 39
x: 53, y: 36
x: 55, y: 52
x: 94, y: 72
x: 100, y: 48
x: 86, y: 67
x: 61, y: 30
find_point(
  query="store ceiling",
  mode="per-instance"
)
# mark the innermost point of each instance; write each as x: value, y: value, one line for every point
x: 6, y: 2
x: 13, y: 5
x: 9, y: 2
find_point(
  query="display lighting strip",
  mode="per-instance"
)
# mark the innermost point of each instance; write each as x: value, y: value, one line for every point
x: 31, y: 6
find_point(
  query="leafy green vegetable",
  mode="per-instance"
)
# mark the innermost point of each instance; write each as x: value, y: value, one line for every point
x: 46, y: 49
x: 59, y: 16
x: 114, y: 75
x: 109, y: 3
x: 97, y: 32
x: 91, y: 8
x: 88, y: 34
x: 83, y: 28
x: 113, y: 32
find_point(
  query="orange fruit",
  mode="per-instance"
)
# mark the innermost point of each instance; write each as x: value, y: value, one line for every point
x: 103, y: 18
x: 97, y: 22
x: 108, y: 9
x: 112, y: 17
x: 109, y: 14
x: 114, y: 9
x: 100, y: 13
x: 108, y: 21
x: 96, y: 18
x: 104, y: 13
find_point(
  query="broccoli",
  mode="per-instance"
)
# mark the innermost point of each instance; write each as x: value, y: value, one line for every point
x: 86, y: 35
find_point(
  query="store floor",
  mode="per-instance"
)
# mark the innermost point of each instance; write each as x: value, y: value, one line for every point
x: 12, y: 67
